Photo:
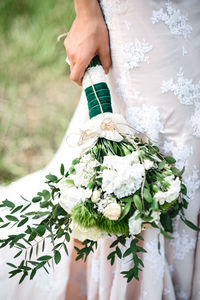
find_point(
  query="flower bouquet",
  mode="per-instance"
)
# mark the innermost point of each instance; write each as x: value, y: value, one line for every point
x: 119, y: 186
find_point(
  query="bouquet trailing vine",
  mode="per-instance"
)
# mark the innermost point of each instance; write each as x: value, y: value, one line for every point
x: 119, y: 186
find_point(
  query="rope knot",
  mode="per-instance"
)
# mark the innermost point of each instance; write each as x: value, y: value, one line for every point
x: 107, y: 124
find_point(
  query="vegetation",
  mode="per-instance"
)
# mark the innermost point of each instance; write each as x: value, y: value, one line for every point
x: 36, y: 96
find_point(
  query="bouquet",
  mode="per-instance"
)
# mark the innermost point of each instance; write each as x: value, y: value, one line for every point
x: 119, y: 186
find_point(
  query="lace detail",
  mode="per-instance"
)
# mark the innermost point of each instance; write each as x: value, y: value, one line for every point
x: 173, y: 18
x: 166, y: 292
x: 186, y: 91
x: 180, y: 294
x: 195, y: 122
x: 181, y: 152
x: 192, y: 183
x: 182, y: 243
x: 155, y: 258
x: 184, y: 51
x: 133, y: 54
x: 121, y: 87
x: 145, y: 119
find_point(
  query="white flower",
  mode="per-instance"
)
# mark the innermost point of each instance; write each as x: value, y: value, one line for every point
x: 172, y: 193
x: 84, y: 170
x: 96, y: 196
x: 148, y: 164
x: 124, y: 175
x: 81, y: 233
x: 107, y: 199
x: 112, y: 211
x: 71, y: 196
x: 135, y: 225
x: 156, y: 216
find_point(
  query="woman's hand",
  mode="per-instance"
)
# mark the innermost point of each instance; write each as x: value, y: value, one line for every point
x: 87, y: 37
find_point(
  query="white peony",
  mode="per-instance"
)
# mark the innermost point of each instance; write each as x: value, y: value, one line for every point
x: 112, y: 211
x: 135, y: 225
x: 84, y: 170
x: 71, y: 195
x: 172, y: 193
x: 124, y: 175
x: 148, y: 164
x: 81, y: 233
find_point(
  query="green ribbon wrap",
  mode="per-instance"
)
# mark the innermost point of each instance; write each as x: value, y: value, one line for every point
x: 98, y: 90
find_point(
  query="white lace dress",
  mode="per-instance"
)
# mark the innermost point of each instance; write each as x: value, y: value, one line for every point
x: 155, y: 84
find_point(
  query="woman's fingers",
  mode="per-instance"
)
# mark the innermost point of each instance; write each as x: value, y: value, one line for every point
x: 78, y: 70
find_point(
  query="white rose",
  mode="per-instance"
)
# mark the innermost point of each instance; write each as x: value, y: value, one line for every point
x: 135, y: 225
x: 81, y: 233
x: 112, y: 211
x: 148, y: 164
x: 96, y: 196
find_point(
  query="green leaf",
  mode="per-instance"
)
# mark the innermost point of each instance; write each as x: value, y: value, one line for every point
x: 62, y: 169
x: 65, y: 248
x: 67, y: 236
x: 18, y: 254
x: 8, y: 203
x: 161, y: 164
x: 183, y: 189
x: 154, y: 204
x: 166, y: 235
x: 44, y: 257
x: 57, y: 256
x: 22, y: 222
x: 118, y: 252
x: 41, y: 230
x: 46, y: 195
x: 126, y: 210
x: 138, y: 202
x: 33, y: 274
x: 170, y: 160
x: 166, y: 222
x: 27, y: 206
x: 1, y: 220
x: 190, y: 224
x: 32, y: 236
x: 175, y: 171
x: 51, y: 177
x: 12, y: 218
x: 20, y: 245
x: 11, y: 265
x: 4, y: 225
x: 16, y: 209
x: 147, y: 195
x: 23, y: 277
x: 36, y: 199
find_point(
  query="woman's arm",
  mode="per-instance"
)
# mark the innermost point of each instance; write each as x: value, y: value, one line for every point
x: 87, y: 37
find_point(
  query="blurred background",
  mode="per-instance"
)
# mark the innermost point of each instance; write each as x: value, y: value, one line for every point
x: 37, y: 98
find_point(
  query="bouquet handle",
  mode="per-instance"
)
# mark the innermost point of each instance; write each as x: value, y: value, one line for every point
x: 96, y: 89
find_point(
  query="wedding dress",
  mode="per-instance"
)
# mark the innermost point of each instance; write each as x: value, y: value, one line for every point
x: 155, y: 84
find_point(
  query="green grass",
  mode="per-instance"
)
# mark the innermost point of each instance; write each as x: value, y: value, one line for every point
x: 36, y: 97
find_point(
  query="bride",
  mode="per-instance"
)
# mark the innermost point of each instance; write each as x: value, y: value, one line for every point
x: 155, y: 83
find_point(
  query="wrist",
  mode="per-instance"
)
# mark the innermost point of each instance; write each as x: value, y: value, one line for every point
x: 87, y: 8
